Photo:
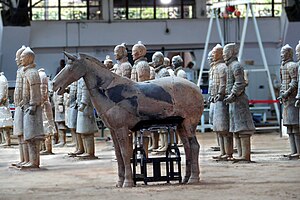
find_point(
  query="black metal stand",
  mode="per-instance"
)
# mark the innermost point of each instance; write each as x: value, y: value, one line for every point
x: 171, y: 160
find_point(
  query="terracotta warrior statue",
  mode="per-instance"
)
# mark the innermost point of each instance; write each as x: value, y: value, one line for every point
x: 168, y: 65
x: 297, y: 104
x: 48, y: 121
x: 86, y: 122
x: 240, y: 119
x: 108, y: 62
x: 6, y: 121
x: 177, y: 63
x: 210, y: 101
x: 122, y: 67
x: 221, y: 112
x: 141, y: 72
x: 160, y: 72
x: 31, y: 105
x: 288, y: 92
x: 72, y: 119
x: 18, y: 129
x: 59, y: 118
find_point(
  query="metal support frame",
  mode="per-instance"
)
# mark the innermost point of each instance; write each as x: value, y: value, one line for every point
x: 242, y: 42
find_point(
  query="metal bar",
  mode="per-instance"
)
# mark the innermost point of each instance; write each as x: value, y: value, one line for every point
x: 265, y: 64
x: 206, y: 47
x: 242, y: 42
x: 231, y: 3
x: 219, y: 30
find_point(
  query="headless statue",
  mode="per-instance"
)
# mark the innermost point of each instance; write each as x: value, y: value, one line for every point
x: 6, y: 121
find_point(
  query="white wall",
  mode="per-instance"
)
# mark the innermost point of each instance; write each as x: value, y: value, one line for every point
x: 49, y: 38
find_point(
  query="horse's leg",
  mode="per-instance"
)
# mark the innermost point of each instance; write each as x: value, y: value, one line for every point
x: 190, y: 130
x: 121, y: 167
x: 123, y: 139
x: 187, y: 149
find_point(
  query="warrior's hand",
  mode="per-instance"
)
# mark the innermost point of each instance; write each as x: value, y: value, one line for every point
x: 280, y: 99
x: 210, y: 99
x: 229, y: 99
x: 285, y: 95
x: 31, y: 110
x: 297, y: 103
x: 219, y: 97
x: 82, y: 107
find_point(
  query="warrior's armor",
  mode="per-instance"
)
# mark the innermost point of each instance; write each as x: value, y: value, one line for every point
x: 177, y: 62
x: 6, y: 120
x: 241, y: 118
x: 140, y: 70
x: 288, y: 97
x: 123, y: 68
x: 288, y: 74
x: 5, y: 114
x: 86, y: 122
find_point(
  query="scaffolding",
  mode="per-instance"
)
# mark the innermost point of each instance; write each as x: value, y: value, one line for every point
x: 214, y: 15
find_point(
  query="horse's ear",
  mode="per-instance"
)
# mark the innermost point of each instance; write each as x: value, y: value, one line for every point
x: 69, y: 56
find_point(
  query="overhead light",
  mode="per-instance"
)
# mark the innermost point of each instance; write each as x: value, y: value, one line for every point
x: 165, y: 1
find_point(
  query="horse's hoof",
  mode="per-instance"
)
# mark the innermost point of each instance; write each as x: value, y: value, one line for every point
x: 128, y: 184
x: 185, y: 180
x: 193, y: 180
x: 119, y: 184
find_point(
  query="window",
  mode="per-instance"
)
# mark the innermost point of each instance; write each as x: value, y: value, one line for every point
x: 153, y: 9
x: 66, y: 10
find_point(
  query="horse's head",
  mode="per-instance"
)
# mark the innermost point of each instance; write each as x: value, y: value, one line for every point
x: 73, y: 71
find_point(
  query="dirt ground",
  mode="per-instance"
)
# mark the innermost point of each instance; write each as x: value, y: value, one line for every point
x: 60, y: 177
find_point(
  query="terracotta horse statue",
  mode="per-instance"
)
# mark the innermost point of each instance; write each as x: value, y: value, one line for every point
x: 122, y: 104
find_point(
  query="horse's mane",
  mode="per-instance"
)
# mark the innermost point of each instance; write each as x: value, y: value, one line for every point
x: 93, y: 59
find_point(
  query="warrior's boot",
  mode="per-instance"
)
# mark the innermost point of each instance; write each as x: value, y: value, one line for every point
x: 228, y: 145
x: 21, y: 152
x: 297, y: 142
x: 238, y: 144
x: 164, y: 143
x: 89, y: 146
x: 48, y: 146
x: 146, y: 144
x: 34, y: 155
x: 155, y: 140
x: 62, y: 138
x: 79, y: 146
x: 292, y: 145
x: 222, y: 147
x: 6, y: 133
x: 73, y: 141
x: 246, y: 148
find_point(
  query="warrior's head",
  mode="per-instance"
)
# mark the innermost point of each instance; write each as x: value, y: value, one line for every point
x: 177, y: 61
x: 18, y: 55
x: 286, y: 53
x: 138, y: 51
x: 108, y: 62
x: 230, y: 51
x: 120, y: 51
x: 158, y: 59
x: 217, y: 53
x: 27, y: 57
